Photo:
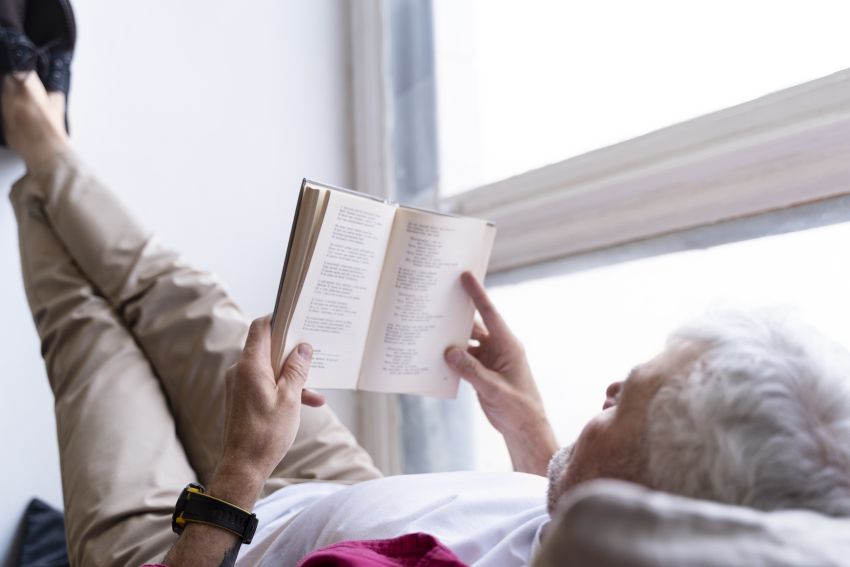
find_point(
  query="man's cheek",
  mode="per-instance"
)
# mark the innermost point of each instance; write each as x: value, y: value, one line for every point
x: 590, y: 448
x: 594, y: 431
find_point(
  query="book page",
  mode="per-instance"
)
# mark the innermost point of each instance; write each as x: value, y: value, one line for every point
x: 308, y: 218
x: 334, y: 308
x: 421, y: 308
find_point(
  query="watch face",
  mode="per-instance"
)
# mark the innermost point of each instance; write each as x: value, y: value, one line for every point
x: 178, y: 523
x: 194, y: 505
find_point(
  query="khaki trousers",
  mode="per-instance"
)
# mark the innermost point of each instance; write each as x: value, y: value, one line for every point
x: 136, y: 343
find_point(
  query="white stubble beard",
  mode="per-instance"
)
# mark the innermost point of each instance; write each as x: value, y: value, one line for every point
x: 557, y: 468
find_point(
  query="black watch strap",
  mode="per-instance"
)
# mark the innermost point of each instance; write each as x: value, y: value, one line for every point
x: 196, y: 506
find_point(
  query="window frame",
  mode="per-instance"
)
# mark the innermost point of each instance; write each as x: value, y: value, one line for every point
x: 372, y: 108
x: 781, y: 151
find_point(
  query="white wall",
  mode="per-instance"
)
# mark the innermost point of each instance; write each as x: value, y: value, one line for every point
x: 203, y: 115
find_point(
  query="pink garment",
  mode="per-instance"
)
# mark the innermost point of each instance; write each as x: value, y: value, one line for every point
x: 411, y: 550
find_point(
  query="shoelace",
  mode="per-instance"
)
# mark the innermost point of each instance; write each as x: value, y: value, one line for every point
x: 23, y: 49
x: 42, y: 54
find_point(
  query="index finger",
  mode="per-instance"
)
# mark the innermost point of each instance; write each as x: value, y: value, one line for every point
x: 491, y: 317
x: 258, y: 343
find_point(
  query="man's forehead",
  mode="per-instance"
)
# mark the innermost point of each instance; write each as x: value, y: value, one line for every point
x: 678, y: 356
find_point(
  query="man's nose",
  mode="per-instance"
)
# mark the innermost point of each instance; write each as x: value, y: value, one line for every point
x: 611, y: 395
x: 614, y: 389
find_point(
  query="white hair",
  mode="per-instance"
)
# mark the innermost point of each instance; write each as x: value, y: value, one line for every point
x: 762, y: 418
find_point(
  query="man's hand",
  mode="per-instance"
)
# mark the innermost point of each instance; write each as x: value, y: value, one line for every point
x: 264, y: 410
x: 498, y: 370
x: 263, y: 415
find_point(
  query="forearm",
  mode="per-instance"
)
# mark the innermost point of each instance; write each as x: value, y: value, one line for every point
x: 202, y: 545
x: 263, y: 414
x: 531, y: 446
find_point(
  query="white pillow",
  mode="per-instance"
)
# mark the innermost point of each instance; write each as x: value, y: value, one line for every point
x: 608, y: 523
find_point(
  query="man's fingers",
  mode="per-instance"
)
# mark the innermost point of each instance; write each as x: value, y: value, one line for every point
x: 258, y: 343
x: 312, y: 399
x: 469, y: 367
x: 295, y: 372
x: 492, y: 319
x: 479, y: 332
x: 229, y: 379
x: 297, y: 366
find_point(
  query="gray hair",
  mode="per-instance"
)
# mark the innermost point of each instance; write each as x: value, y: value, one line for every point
x: 762, y: 419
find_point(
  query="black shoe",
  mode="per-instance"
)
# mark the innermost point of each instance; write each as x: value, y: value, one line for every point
x: 17, y: 52
x: 51, y: 26
x: 12, y: 14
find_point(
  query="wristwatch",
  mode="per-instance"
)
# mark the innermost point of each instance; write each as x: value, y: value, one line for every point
x: 194, y: 505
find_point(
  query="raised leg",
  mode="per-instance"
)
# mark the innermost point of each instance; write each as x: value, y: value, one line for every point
x: 182, y: 318
x: 122, y: 463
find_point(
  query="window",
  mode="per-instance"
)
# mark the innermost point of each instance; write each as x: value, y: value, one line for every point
x: 581, y: 130
x: 599, y: 323
x: 521, y: 85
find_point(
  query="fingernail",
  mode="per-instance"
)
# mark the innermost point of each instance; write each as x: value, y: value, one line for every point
x: 454, y: 356
x: 305, y: 351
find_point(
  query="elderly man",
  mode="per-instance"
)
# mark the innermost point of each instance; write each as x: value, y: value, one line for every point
x: 137, y: 344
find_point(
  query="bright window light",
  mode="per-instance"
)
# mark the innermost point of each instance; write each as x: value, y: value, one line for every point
x: 584, y: 330
x: 522, y: 84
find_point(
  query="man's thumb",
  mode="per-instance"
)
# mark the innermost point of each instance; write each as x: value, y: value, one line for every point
x: 297, y: 365
x: 467, y: 366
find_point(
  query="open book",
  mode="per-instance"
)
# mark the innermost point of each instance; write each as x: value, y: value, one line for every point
x: 375, y: 288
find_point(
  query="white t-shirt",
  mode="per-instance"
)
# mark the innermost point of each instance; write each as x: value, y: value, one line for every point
x: 486, y: 519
